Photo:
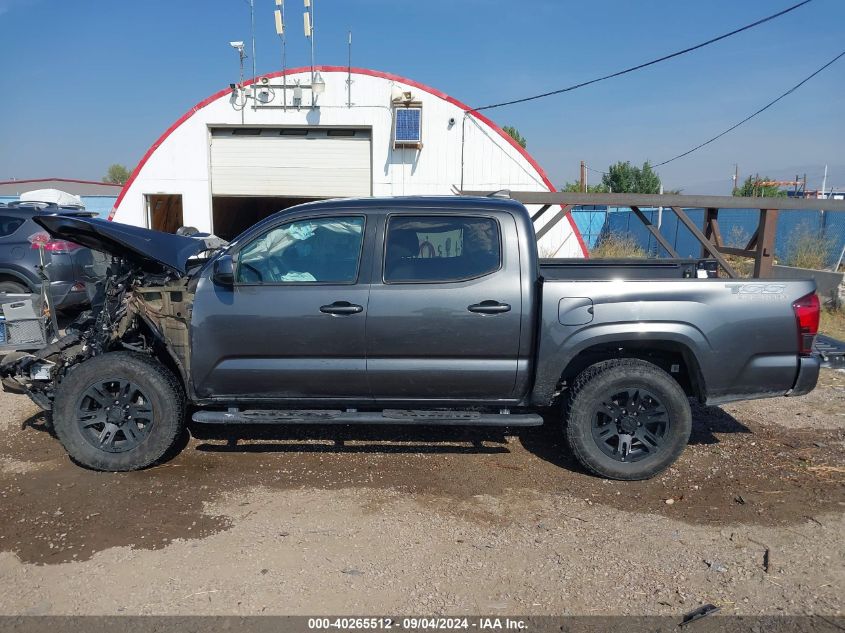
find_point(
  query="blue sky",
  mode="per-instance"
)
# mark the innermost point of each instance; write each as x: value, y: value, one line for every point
x: 91, y: 82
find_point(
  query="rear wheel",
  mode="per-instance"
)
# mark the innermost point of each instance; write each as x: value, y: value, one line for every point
x: 13, y: 287
x: 119, y: 411
x: 626, y: 419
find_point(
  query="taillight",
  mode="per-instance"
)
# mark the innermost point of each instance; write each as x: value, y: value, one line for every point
x: 42, y: 240
x: 807, y: 311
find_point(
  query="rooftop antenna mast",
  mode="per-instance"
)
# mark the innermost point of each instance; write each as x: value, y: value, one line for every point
x: 309, y: 29
x: 349, y: 74
x: 251, y: 4
x: 317, y: 83
x: 280, y: 30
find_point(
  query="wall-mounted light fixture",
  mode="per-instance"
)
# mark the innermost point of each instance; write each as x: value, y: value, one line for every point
x: 318, y: 86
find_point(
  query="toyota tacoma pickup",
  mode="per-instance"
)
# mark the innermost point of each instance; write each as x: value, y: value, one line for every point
x: 428, y: 311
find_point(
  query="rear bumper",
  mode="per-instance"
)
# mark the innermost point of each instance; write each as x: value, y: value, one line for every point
x: 65, y: 295
x: 808, y: 375
x: 772, y: 376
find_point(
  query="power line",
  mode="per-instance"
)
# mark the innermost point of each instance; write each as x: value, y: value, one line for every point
x: 646, y: 64
x: 748, y: 118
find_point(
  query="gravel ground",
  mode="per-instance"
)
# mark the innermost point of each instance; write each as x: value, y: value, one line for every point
x: 430, y: 521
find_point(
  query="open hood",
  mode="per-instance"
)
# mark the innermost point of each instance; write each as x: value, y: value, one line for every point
x: 152, y: 250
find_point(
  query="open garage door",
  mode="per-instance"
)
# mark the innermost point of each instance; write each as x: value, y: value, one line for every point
x: 291, y: 162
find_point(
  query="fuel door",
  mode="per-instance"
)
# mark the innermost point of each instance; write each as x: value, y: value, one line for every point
x: 575, y: 311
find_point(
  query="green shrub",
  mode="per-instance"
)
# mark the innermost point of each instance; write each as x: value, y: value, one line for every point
x: 618, y: 247
x: 808, y: 248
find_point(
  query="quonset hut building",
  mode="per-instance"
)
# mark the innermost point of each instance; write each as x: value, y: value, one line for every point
x: 247, y: 152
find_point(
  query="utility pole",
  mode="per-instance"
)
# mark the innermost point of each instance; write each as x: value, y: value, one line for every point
x: 252, y: 20
x: 736, y: 178
x: 583, y: 179
x: 824, y: 183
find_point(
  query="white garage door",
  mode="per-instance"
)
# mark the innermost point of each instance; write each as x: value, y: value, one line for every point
x: 311, y: 163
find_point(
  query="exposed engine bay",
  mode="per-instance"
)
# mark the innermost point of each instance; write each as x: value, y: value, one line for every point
x: 132, y: 310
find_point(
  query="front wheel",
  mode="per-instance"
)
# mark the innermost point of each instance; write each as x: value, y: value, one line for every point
x: 626, y: 419
x: 119, y: 411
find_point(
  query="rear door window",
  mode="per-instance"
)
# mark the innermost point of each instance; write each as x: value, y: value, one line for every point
x: 319, y: 250
x: 437, y: 249
x: 9, y: 224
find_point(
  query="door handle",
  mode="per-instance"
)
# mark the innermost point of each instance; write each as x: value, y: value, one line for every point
x: 341, y: 307
x: 489, y: 307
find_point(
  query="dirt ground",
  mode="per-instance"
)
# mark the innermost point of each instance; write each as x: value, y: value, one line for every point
x: 432, y: 521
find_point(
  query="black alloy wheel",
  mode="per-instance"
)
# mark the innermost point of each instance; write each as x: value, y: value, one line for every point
x: 630, y: 425
x: 115, y: 415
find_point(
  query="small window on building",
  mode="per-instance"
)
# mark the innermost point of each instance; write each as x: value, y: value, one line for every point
x: 294, y: 131
x: 9, y: 224
x: 340, y: 132
x: 246, y: 131
x: 440, y: 248
x: 407, y: 126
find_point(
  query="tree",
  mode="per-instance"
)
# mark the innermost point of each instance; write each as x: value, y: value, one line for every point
x: 515, y: 135
x: 575, y: 187
x: 623, y: 177
x: 752, y: 188
x: 117, y: 174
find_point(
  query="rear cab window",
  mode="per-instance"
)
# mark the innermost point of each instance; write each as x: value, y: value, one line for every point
x: 438, y: 249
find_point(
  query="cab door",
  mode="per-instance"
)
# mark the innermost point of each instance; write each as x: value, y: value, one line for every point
x: 292, y: 325
x: 444, y: 317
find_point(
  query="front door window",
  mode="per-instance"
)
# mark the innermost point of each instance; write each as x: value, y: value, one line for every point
x: 318, y: 250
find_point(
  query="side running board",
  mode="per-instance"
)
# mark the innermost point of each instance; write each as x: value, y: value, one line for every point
x: 388, y: 416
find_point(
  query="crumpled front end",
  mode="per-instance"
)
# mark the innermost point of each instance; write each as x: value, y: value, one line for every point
x: 132, y: 310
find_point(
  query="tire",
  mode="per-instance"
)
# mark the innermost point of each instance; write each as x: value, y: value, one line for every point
x: 94, y: 406
x: 13, y: 287
x: 626, y: 419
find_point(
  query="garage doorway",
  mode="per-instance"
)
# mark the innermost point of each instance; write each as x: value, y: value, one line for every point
x: 257, y: 171
x: 164, y: 212
x: 232, y: 215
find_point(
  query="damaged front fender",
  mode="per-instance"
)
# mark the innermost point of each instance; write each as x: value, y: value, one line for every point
x: 133, y: 310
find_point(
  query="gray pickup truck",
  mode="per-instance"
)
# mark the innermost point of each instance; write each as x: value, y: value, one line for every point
x: 428, y: 311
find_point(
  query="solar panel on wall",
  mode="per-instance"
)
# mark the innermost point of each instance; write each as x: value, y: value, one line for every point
x: 408, y: 125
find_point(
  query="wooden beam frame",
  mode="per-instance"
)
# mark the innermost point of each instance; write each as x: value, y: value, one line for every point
x: 760, y: 247
x: 764, y: 255
x: 705, y: 243
x: 542, y: 210
x: 668, y: 200
x: 557, y: 217
x: 655, y: 232
x: 711, y: 229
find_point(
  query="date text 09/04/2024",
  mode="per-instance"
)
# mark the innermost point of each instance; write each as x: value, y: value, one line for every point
x: 417, y: 623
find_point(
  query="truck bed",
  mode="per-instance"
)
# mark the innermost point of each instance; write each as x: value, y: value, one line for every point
x: 632, y: 269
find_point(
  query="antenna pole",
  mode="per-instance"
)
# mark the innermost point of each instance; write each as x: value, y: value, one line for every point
x: 309, y: 4
x: 252, y: 20
x: 349, y: 74
x: 284, y: 37
x: 312, y: 42
x: 242, y: 55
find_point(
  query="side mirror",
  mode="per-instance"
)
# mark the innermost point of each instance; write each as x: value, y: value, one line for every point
x: 224, y: 271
